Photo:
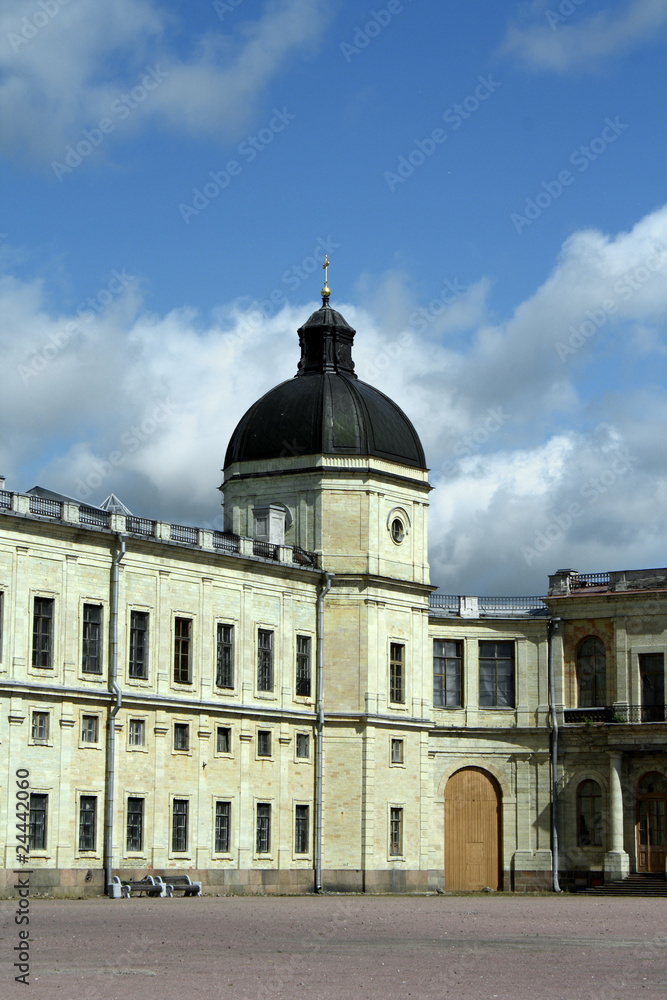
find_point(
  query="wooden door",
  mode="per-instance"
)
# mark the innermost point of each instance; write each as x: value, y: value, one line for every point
x: 651, y: 816
x: 472, y: 831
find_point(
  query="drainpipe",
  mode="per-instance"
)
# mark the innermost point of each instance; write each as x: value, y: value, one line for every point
x: 115, y: 692
x: 319, y: 738
x: 551, y: 629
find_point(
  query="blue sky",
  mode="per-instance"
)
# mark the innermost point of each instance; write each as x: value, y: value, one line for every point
x: 488, y: 182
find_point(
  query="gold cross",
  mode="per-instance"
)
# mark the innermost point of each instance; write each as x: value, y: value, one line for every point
x: 325, y: 291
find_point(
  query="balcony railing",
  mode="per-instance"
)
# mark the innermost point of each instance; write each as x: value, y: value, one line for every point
x: 226, y: 540
x: 45, y: 507
x: 615, y: 714
x: 141, y: 526
x: 582, y: 580
x: 181, y: 533
x: 5, y: 499
x: 303, y: 558
x: 265, y: 549
x: 91, y: 515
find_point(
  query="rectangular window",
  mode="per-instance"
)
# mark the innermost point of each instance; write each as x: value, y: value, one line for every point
x: 301, y: 835
x: 396, y: 831
x: 264, y: 660
x: 135, y: 824
x: 652, y: 676
x: 263, y: 743
x: 302, y: 745
x: 179, y: 825
x: 138, y: 665
x: 224, y: 739
x: 87, y: 822
x: 222, y: 814
x: 224, y: 674
x: 40, y: 726
x: 447, y: 657
x: 137, y: 733
x: 91, y: 662
x: 263, y: 827
x: 397, y: 752
x: 182, y: 632
x: 396, y: 672
x: 496, y: 675
x: 181, y: 736
x: 42, y: 632
x: 303, y: 666
x: 89, y: 727
x: 37, y: 822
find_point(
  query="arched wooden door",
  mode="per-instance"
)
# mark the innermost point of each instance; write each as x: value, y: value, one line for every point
x: 472, y: 831
x: 651, y: 815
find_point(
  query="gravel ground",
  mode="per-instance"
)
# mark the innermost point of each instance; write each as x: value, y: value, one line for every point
x: 341, y: 948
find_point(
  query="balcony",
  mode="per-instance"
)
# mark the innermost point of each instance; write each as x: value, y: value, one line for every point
x: 615, y: 714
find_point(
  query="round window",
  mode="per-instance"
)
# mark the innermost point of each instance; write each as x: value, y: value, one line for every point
x: 397, y: 530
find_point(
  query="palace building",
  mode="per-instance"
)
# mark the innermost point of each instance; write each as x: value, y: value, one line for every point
x: 289, y: 706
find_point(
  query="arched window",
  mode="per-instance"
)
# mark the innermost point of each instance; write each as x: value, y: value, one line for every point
x: 592, y: 673
x: 589, y: 814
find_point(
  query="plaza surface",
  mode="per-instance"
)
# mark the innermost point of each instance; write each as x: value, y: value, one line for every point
x: 497, y: 947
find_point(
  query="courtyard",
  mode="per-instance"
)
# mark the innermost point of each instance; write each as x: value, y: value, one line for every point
x: 470, y: 947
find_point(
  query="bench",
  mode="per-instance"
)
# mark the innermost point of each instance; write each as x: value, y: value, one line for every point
x: 179, y: 883
x: 149, y: 885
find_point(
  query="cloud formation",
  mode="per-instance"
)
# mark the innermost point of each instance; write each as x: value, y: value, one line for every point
x: 558, y: 37
x: 540, y: 456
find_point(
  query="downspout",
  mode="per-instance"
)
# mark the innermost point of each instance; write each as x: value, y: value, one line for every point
x: 319, y: 737
x: 115, y: 692
x: 551, y: 628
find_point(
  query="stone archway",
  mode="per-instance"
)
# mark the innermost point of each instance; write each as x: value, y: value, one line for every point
x: 473, y: 815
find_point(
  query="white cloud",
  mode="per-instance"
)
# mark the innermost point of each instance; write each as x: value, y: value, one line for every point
x: 65, y: 76
x: 559, y: 37
x: 533, y: 469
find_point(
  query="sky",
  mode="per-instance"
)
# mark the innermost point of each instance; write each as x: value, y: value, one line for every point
x: 488, y: 181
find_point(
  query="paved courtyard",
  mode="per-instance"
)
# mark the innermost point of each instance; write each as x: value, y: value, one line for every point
x: 339, y: 947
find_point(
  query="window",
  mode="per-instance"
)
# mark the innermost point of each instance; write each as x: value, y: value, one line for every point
x: 87, y: 822
x: 42, y: 632
x: 302, y: 745
x: 40, y: 726
x: 91, y: 662
x: 181, y: 736
x: 395, y: 831
x: 138, y: 665
x: 397, y: 530
x: 137, y: 733
x: 224, y: 675
x: 592, y: 673
x: 397, y: 752
x: 263, y: 827
x: 222, y: 813
x: 37, y: 822
x: 2, y: 599
x: 223, y: 740
x: 89, y: 726
x: 179, y: 825
x: 652, y: 674
x: 589, y: 814
x: 496, y: 675
x: 303, y: 666
x: 264, y: 660
x: 263, y: 743
x: 135, y: 824
x: 301, y: 830
x: 447, y: 657
x: 182, y: 631
x: 396, y: 672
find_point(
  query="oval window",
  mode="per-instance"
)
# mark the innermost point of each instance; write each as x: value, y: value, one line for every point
x: 397, y: 530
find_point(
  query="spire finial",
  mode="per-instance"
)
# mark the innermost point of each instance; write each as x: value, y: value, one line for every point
x: 326, y: 292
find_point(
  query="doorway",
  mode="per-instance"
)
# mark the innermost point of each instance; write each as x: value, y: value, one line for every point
x: 651, y: 814
x: 472, y: 831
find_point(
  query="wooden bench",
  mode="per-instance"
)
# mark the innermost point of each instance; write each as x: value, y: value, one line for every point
x: 149, y: 885
x: 179, y: 883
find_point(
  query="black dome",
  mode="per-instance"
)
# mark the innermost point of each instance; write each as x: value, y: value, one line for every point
x: 325, y: 409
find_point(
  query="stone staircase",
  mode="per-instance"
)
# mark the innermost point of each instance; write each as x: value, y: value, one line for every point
x: 632, y: 885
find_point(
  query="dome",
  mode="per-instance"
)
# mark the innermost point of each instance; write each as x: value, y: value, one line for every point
x: 325, y: 409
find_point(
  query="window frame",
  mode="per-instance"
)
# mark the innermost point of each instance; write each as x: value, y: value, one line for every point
x: 441, y: 697
x: 223, y: 752
x: 138, y: 651
x: 396, y: 832
x: 263, y: 828
x: 129, y: 848
x: 396, y: 751
x: 33, y: 812
x: 83, y: 738
x: 596, y: 681
x: 494, y: 688
x: 302, y: 832
x: 298, y: 745
x: 397, y: 678
x: 180, y: 827
x: 183, y: 729
x: 38, y: 740
x: 88, y: 826
x: 265, y: 661
x: 219, y: 828
x: 131, y: 742
x: 224, y: 650
x: 182, y: 650
x: 46, y: 633
x: 264, y: 744
x: 303, y: 682
x: 91, y: 639
x: 590, y: 833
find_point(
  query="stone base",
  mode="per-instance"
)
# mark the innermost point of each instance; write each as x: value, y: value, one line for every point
x: 616, y: 865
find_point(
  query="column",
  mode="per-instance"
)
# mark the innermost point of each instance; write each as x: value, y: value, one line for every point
x: 616, y: 860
